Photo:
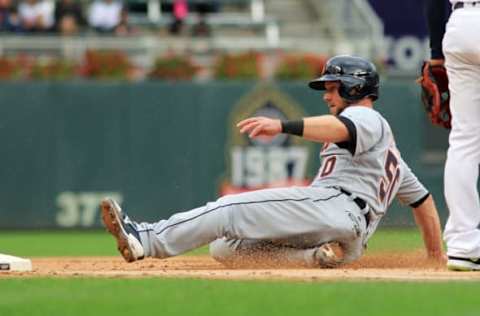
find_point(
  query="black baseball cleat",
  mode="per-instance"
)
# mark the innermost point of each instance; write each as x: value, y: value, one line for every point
x: 123, y: 229
x: 463, y: 264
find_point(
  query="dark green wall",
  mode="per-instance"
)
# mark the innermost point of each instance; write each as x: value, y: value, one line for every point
x: 159, y: 145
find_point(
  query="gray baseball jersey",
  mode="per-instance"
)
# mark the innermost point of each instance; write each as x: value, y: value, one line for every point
x: 373, y: 170
x: 370, y: 165
x: 289, y: 223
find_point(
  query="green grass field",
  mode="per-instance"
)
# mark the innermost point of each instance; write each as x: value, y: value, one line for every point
x: 108, y: 296
x: 200, y: 297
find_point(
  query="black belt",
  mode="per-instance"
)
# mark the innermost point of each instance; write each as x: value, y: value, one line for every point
x: 459, y: 5
x: 360, y: 202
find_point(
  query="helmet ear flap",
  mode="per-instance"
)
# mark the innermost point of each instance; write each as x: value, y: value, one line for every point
x: 351, y: 91
x: 358, y: 88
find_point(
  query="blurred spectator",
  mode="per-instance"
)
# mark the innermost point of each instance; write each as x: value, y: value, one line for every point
x: 68, y: 17
x: 201, y: 28
x: 9, y: 21
x: 105, y: 15
x: 180, y: 13
x: 204, y: 7
x: 36, y: 15
x: 123, y: 27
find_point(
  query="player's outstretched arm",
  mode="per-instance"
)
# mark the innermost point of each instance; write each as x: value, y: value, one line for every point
x: 260, y: 126
x: 426, y: 217
x: 324, y: 128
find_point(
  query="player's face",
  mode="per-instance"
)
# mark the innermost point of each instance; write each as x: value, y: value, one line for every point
x: 334, y: 101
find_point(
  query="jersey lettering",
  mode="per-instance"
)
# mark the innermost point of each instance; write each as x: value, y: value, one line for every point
x: 392, y: 174
x: 328, y: 166
x: 324, y: 147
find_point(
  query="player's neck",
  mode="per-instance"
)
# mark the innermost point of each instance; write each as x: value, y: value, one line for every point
x: 367, y: 102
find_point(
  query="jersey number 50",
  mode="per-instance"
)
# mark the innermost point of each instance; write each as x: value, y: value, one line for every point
x: 392, y: 173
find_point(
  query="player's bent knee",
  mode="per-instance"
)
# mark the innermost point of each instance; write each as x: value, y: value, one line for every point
x: 221, y: 250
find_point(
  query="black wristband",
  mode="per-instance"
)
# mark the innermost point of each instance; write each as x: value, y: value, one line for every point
x: 293, y: 127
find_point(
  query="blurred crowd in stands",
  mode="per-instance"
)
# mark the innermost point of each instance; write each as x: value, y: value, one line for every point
x: 69, y: 17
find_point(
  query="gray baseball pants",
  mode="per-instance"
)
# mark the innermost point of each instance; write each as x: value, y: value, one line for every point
x: 287, y: 223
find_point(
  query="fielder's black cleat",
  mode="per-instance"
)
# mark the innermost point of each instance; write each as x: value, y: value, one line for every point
x: 463, y: 264
x: 123, y: 229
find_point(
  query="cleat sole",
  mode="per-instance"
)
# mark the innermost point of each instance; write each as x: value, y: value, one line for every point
x: 111, y: 219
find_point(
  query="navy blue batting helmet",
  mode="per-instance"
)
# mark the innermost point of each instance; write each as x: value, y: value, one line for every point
x: 358, y: 77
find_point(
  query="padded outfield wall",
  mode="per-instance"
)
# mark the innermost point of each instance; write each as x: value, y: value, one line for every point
x: 164, y: 147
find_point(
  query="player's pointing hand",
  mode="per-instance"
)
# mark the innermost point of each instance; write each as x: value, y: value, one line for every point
x: 260, y: 126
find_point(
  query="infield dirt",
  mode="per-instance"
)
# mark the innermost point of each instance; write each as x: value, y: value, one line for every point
x: 384, y: 266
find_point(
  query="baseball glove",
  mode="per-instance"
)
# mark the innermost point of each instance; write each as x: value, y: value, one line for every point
x: 435, y: 94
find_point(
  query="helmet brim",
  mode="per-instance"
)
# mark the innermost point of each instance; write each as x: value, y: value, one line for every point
x: 319, y: 83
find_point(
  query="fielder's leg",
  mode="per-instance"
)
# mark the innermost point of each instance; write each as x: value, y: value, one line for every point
x: 462, y: 234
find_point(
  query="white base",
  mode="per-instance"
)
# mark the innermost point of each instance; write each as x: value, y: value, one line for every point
x: 11, y: 263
